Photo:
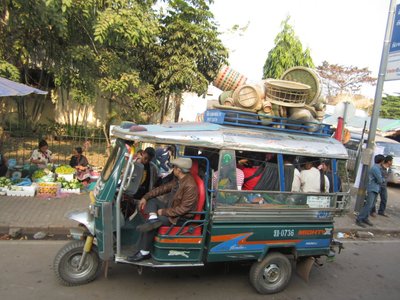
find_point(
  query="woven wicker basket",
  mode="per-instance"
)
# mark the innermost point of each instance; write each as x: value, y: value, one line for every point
x: 228, y: 79
x: 286, y: 93
x: 247, y: 96
x: 306, y: 76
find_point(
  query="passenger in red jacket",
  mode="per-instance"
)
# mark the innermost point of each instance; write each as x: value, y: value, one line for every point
x: 250, y: 176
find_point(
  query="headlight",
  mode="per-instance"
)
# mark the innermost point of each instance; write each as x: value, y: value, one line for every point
x: 94, y: 210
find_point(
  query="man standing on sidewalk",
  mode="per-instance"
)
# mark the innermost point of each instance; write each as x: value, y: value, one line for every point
x: 374, y: 185
x: 385, y: 169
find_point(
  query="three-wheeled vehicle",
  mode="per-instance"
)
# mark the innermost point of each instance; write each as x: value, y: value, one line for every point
x: 274, y: 228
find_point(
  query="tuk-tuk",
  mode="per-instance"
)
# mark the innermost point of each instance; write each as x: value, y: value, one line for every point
x: 274, y: 228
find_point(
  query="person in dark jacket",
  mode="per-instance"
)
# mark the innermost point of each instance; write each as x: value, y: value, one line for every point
x: 81, y: 164
x: 374, y: 185
x: 181, y: 198
x: 150, y: 173
x: 385, y: 169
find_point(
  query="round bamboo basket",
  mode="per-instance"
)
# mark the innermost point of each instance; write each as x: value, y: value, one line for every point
x: 306, y: 76
x: 247, y: 96
x: 224, y: 96
x: 228, y: 79
x: 286, y: 93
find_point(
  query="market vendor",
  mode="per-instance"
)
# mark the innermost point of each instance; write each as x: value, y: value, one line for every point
x: 81, y: 164
x: 42, y: 156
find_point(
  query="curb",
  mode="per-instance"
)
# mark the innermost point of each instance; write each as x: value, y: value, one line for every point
x: 369, y: 229
x: 56, y: 231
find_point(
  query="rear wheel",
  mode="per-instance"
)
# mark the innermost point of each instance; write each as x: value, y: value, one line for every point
x: 272, y: 274
x: 67, y: 261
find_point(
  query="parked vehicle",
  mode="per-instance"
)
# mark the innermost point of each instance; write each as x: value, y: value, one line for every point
x: 276, y: 230
x: 388, y: 146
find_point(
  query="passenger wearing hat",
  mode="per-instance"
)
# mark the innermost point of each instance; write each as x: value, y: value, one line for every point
x: 181, y: 198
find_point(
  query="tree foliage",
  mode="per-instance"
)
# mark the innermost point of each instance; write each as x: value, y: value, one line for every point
x: 190, y: 50
x: 128, y: 52
x: 390, y: 108
x: 287, y: 53
x: 340, y: 79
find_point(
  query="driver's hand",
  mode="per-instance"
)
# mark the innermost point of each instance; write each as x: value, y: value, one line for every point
x: 142, y: 204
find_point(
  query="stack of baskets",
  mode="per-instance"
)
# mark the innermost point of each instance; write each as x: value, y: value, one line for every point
x: 296, y: 95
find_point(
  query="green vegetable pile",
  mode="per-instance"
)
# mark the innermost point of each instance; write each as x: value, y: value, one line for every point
x: 65, y: 169
x: 70, y: 185
x: 38, y: 174
x: 5, y: 182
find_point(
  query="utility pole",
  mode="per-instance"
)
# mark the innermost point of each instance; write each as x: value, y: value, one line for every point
x: 366, y: 157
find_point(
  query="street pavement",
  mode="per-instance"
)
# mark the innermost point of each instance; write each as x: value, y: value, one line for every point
x: 33, y: 214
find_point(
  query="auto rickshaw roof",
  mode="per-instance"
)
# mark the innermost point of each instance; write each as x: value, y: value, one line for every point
x: 217, y: 136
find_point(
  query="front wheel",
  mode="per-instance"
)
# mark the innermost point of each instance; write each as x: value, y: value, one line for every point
x: 272, y: 274
x: 67, y: 261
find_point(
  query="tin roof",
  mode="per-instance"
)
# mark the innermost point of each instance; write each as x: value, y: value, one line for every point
x: 229, y: 137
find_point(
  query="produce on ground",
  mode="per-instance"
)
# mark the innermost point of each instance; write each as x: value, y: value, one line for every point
x: 48, y: 188
x: 5, y: 182
x: 38, y: 174
x: 65, y: 169
x: 70, y: 185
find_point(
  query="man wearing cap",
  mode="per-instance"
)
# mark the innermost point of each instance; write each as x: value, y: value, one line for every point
x: 181, y: 198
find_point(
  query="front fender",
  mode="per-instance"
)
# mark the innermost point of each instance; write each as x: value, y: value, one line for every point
x: 82, y: 217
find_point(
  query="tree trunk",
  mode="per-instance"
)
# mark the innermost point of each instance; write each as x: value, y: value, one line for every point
x: 165, y: 108
x: 162, y: 109
x: 178, y: 102
x: 76, y: 119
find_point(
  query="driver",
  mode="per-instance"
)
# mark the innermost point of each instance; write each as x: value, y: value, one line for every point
x: 181, y: 197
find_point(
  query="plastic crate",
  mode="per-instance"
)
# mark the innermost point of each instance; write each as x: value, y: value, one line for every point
x: 23, y: 191
x: 49, y: 188
x: 71, y: 191
x: 3, y: 191
x: 67, y: 177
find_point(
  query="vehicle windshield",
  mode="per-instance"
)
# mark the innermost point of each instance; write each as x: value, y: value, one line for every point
x: 390, y: 148
x: 108, y: 168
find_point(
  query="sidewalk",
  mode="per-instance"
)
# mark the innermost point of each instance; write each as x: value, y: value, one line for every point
x: 33, y: 214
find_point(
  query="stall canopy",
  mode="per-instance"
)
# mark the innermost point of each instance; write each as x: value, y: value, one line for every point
x: 11, y: 88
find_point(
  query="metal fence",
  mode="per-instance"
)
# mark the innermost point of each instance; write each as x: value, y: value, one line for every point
x: 21, y: 147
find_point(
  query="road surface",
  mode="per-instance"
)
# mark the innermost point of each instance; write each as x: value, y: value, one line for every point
x: 364, y: 270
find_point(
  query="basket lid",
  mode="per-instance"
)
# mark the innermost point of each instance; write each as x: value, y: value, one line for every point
x: 286, y: 84
x: 306, y: 76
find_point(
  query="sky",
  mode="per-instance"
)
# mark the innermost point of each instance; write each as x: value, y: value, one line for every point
x: 344, y: 32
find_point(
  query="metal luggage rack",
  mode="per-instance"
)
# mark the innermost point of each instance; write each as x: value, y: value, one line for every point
x: 255, y: 120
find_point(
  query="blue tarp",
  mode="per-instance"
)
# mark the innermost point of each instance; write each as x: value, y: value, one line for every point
x: 11, y: 88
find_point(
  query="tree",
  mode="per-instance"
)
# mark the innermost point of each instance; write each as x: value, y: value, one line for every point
x: 125, y: 51
x: 190, y: 51
x: 28, y: 31
x: 340, y: 79
x: 287, y: 53
x: 390, y: 108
